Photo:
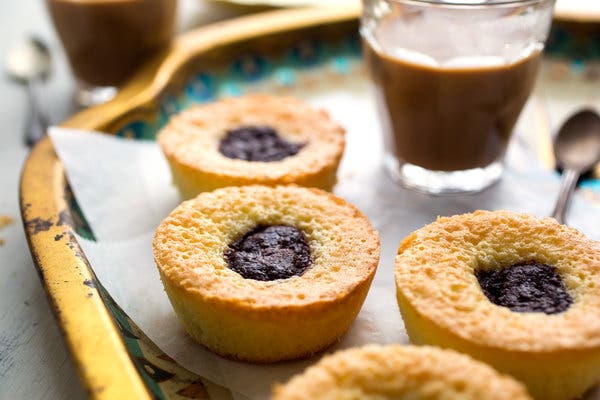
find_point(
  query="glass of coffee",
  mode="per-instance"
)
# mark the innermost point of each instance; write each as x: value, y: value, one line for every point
x: 451, y: 78
x: 107, y: 40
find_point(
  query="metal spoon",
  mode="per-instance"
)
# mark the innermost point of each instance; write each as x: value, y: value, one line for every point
x: 577, y: 149
x: 29, y: 64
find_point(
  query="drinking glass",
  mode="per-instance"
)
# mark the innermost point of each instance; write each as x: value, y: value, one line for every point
x: 451, y: 78
x: 107, y: 40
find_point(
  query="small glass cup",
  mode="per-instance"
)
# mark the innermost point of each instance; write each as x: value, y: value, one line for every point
x: 451, y: 78
x: 107, y: 40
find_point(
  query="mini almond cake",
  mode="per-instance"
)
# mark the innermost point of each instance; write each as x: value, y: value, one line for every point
x: 512, y: 290
x: 254, y: 139
x: 400, y: 372
x: 266, y: 274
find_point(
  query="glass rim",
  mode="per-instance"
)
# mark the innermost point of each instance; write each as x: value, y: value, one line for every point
x: 473, y: 4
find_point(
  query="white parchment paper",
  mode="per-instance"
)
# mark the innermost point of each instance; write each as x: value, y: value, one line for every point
x: 124, y: 190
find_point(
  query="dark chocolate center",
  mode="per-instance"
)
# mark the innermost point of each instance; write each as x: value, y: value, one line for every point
x: 257, y: 143
x: 526, y: 287
x: 269, y: 252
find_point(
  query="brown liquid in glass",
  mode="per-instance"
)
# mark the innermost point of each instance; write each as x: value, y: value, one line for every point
x: 449, y: 119
x: 106, y: 40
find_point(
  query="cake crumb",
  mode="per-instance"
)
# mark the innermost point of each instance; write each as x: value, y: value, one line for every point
x: 5, y: 220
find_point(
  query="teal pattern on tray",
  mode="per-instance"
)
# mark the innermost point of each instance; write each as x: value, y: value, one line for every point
x: 572, y: 42
x: 245, y: 73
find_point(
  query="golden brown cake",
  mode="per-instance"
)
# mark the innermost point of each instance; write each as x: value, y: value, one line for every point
x: 254, y: 139
x: 266, y: 274
x: 512, y: 290
x: 400, y: 372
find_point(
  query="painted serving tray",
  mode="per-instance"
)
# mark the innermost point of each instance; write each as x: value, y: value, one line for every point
x: 271, y: 51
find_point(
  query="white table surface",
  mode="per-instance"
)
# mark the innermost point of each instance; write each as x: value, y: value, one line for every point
x: 34, y: 362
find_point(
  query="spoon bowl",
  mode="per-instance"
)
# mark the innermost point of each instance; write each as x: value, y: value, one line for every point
x: 29, y: 60
x: 577, y: 149
x: 577, y: 144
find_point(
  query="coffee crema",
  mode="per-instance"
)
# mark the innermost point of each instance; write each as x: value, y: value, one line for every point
x: 449, y: 118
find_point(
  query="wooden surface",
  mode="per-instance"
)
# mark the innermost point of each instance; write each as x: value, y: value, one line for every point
x: 34, y: 363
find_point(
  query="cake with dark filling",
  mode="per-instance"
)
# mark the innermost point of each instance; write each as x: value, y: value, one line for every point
x: 265, y: 274
x: 253, y: 139
x: 512, y: 290
x: 400, y: 372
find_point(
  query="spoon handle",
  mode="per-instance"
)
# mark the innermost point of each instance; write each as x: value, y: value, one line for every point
x: 567, y: 187
x: 37, y: 123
